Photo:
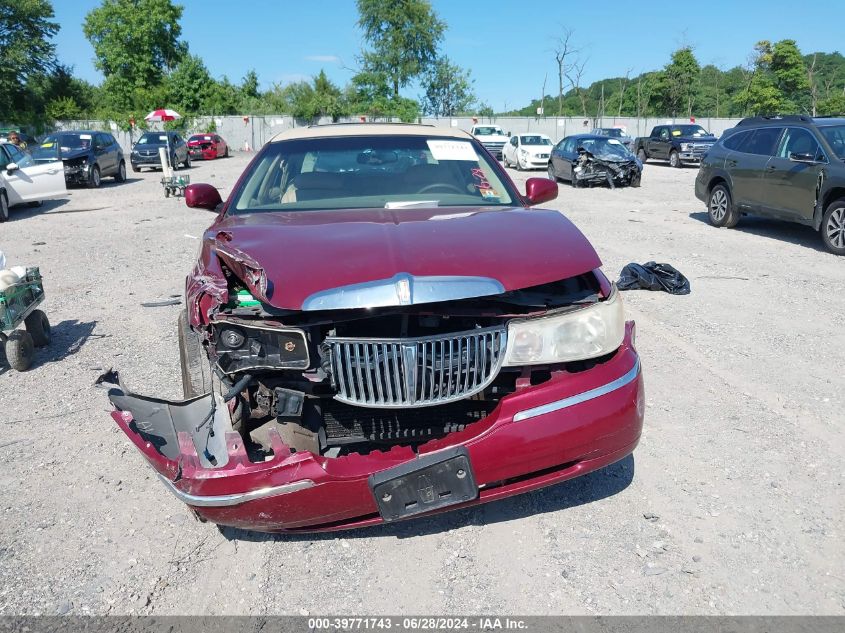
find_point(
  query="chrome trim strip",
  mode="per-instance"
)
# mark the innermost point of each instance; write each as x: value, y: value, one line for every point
x: 581, y: 397
x: 223, y: 501
x: 400, y: 290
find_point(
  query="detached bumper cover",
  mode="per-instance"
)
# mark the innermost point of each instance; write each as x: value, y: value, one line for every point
x: 568, y: 426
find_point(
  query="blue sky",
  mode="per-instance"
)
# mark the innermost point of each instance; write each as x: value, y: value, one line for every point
x: 504, y: 43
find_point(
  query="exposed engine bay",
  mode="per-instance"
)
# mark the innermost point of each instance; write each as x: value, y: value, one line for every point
x: 339, y: 381
x: 589, y: 169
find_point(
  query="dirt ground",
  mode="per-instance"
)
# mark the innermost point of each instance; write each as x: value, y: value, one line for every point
x: 732, y: 504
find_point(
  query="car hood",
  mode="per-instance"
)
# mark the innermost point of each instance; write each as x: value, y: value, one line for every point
x: 69, y: 155
x: 300, y: 254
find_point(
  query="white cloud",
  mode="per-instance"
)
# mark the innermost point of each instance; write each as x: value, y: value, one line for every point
x: 326, y: 59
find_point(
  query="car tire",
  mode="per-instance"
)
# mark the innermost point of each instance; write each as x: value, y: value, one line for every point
x: 187, y: 161
x: 641, y: 155
x: 135, y: 168
x: 120, y: 176
x: 833, y: 227
x: 552, y: 174
x: 226, y: 153
x: 720, y: 208
x: 4, y: 207
x: 20, y: 350
x: 38, y: 326
x: 35, y: 204
x: 94, y: 180
x: 675, y: 159
x: 518, y: 164
x: 196, y: 371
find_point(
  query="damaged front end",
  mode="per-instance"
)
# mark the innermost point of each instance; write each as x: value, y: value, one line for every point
x: 316, y: 401
x: 589, y: 169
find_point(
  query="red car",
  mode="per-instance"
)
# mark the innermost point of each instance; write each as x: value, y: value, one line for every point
x: 380, y: 326
x: 207, y: 147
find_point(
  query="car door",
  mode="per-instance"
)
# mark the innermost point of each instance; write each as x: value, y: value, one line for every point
x: 509, y: 151
x: 748, y: 164
x: 564, y: 157
x: 792, y: 175
x: 115, y: 151
x: 29, y: 181
x: 102, y: 155
x: 658, y: 147
x: 181, y: 149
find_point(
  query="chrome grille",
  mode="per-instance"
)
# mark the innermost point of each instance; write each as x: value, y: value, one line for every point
x: 494, y: 147
x: 415, y: 372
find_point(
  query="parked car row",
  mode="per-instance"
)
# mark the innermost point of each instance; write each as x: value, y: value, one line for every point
x: 33, y: 171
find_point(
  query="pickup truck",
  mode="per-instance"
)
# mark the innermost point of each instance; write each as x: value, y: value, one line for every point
x: 491, y: 137
x: 678, y: 144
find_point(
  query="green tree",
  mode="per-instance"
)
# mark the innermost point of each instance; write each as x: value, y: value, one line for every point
x: 249, y: 84
x: 448, y: 89
x: 680, y: 78
x: 189, y: 86
x: 26, y: 51
x: 404, y: 35
x: 136, y: 43
x: 790, y: 75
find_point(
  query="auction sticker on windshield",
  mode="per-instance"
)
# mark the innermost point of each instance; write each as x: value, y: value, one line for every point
x: 452, y: 150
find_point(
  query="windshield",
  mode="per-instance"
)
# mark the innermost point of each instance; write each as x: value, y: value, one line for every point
x: 489, y: 130
x: 605, y: 148
x: 534, y: 140
x: 835, y: 137
x: 370, y: 172
x: 609, y: 131
x: 202, y: 138
x: 55, y: 145
x: 689, y: 130
x: 152, y: 138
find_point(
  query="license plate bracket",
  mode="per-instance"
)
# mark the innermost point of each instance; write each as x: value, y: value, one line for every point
x: 427, y: 483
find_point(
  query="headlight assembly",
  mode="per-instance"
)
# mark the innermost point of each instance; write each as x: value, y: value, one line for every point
x: 585, y: 333
x: 686, y: 147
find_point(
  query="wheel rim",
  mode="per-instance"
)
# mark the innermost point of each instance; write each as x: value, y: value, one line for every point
x: 122, y: 171
x: 835, y: 227
x: 718, y: 205
x: 551, y: 173
x: 673, y: 160
x: 641, y: 154
x: 4, y: 207
x: 95, y: 177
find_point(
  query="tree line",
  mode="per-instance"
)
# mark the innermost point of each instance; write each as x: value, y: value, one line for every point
x: 777, y: 78
x: 146, y: 64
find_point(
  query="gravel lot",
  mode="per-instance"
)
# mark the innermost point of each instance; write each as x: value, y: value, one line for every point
x: 732, y: 504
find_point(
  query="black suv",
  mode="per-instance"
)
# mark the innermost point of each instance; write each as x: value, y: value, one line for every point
x: 787, y: 167
x: 88, y: 156
x: 145, y: 151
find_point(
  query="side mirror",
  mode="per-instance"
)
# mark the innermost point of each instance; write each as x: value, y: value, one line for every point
x: 509, y: 134
x: 202, y: 196
x: 11, y: 167
x: 539, y: 190
x: 802, y: 158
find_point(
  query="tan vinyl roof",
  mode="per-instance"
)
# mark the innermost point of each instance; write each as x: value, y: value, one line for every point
x: 368, y: 129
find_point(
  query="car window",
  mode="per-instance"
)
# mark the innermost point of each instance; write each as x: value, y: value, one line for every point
x: 513, y: 141
x: 4, y: 158
x: 735, y: 141
x: 762, y: 141
x: 797, y: 140
x: 664, y: 132
x: 370, y: 172
x: 19, y: 157
x: 835, y: 136
x: 569, y: 145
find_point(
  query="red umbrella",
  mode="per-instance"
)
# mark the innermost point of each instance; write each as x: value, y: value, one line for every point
x: 163, y: 114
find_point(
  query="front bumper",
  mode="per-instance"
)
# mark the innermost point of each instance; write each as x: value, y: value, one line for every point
x: 145, y: 161
x: 202, y: 154
x: 540, y: 435
x: 76, y: 174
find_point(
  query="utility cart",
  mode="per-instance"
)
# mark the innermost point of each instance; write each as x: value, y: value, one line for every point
x: 175, y: 185
x: 18, y: 304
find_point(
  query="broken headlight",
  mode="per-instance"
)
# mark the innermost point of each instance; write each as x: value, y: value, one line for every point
x: 588, y: 332
x: 243, y: 347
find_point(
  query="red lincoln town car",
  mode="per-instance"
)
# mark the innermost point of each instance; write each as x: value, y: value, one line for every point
x: 207, y: 146
x: 380, y: 326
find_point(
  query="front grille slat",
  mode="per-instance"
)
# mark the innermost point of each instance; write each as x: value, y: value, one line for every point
x: 415, y: 372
